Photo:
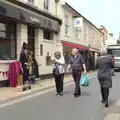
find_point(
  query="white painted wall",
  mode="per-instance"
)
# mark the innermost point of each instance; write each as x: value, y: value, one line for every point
x: 95, y: 37
x: 110, y: 40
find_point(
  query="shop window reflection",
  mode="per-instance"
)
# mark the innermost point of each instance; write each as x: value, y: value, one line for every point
x: 7, y: 41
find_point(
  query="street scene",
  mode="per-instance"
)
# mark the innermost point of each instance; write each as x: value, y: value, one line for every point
x: 59, y: 60
x: 46, y: 105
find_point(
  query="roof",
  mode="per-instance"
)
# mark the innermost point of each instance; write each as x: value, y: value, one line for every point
x: 82, y: 16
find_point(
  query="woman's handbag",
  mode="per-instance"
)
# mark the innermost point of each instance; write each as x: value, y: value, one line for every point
x: 55, y: 70
x: 84, y: 81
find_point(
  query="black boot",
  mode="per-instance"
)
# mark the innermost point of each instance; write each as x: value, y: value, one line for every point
x: 102, y: 101
x: 106, y: 103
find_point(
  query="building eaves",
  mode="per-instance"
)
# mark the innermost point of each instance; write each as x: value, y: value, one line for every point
x: 79, y: 15
x: 36, y: 10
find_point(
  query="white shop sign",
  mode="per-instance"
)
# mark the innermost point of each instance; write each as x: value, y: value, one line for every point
x: 78, y: 22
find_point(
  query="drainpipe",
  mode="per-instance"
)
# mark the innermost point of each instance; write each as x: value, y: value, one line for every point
x: 56, y: 1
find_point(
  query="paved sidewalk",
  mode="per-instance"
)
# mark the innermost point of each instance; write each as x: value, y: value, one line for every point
x: 10, y: 93
x: 113, y: 112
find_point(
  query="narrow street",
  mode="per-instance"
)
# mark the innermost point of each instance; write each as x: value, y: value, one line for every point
x: 48, y: 106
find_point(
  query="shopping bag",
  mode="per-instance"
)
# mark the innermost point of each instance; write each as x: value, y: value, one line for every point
x: 84, y: 81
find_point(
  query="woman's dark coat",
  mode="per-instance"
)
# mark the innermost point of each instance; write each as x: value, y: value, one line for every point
x: 104, y: 65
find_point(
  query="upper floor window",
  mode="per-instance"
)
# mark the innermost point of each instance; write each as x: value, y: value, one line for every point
x: 48, y: 35
x: 46, y: 4
x: 66, y: 25
x: 31, y: 1
x: 77, y: 33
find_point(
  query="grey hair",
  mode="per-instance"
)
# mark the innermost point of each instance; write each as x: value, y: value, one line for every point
x: 103, y: 51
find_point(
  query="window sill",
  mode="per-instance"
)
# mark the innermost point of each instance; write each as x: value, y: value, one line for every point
x: 49, y: 41
x: 67, y: 35
x: 6, y: 61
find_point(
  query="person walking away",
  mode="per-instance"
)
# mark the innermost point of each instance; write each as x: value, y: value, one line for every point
x: 104, y: 65
x: 76, y: 63
x: 24, y: 62
x: 59, y: 62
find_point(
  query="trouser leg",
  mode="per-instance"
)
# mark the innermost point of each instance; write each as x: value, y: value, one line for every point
x: 57, y: 83
x: 61, y: 82
x: 77, y: 76
x: 102, y: 93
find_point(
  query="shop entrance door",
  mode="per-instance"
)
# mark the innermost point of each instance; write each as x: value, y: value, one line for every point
x: 31, y: 39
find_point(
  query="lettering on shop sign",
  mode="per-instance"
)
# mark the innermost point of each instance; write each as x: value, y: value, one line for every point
x: 22, y: 16
x: 2, y: 10
x: 33, y: 19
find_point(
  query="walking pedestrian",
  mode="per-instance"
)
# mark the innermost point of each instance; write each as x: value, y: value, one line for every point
x: 59, y: 63
x: 104, y: 65
x: 76, y: 63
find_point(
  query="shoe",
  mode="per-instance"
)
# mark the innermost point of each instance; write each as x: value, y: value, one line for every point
x: 61, y: 94
x: 106, y: 104
x: 77, y: 95
x: 57, y: 93
x: 102, y: 101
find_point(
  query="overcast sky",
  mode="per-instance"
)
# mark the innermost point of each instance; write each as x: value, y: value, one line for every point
x: 100, y: 12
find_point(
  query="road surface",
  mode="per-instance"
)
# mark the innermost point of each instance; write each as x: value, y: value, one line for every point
x: 48, y: 106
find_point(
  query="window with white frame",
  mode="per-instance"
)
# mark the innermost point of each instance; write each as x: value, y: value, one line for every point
x: 85, y: 33
x: 77, y: 33
x: 93, y: 37
x: 46, y: 4
x: 31, y: 1
x: 66, y: 25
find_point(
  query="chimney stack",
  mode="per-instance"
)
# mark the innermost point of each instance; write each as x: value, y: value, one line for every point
x: 111, y: 34
x: 118, y: 41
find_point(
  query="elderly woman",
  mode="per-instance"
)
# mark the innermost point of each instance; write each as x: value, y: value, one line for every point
x: 59, y: 63
x: 104, y: 65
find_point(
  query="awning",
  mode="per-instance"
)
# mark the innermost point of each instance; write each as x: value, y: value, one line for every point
x: 72, y: 45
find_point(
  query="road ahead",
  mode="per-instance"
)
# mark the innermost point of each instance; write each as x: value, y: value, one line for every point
x: 48, y: 106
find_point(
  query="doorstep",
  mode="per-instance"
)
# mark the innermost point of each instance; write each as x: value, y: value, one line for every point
x: 8, y: 94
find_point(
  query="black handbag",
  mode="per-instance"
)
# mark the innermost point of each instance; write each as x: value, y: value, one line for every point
x: 56, y: 70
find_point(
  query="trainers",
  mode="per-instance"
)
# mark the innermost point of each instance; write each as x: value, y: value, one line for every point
x: 61, y: 94
x: 57, y: 93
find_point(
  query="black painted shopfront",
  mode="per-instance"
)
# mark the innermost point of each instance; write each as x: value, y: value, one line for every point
x: 10, y: 15
x: 13, y: 12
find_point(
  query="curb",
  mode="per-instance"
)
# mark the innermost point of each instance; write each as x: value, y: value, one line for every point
x: 36, y: 91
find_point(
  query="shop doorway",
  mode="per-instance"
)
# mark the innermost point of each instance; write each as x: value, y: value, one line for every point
x: 31, y: 39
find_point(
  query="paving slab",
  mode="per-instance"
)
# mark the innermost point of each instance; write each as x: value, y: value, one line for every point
x: 113, y: 116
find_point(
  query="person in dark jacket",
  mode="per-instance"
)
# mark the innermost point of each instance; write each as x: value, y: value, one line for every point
x: 76, y: 63
x: 104, y: 65
x: 24, y: 62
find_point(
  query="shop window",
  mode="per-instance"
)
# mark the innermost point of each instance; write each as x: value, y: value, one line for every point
x: 46, y: 5
x: 67, y: 25
x: 48, y: 59
x: 41, y: 50
x: 7, y: 41
x: 48, y: 35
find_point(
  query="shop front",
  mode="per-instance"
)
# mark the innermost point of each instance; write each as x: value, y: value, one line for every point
x: 92, y: 56
x: 67, y: 49
x: 18, y: 24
